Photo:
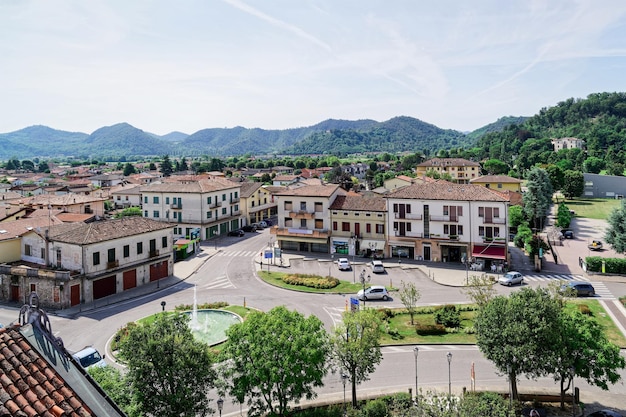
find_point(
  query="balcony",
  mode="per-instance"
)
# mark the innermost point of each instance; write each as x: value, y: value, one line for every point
x: 398, y: 233
x: 218, y: 204
x: 444, y: 218
x: 301, y: 215
x: 234, y: 200
x: 113, y: 264
x: 176, y: 205
x: 291, y: 231
x: 493, y: 220
x: 408, y: 216
x: 154, y: 253
x: 213, y: 205
x: 494, y: 240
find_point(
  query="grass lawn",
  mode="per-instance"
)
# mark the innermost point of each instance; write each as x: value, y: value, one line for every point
x: 275, y: 278
x: 593, y: 208
x: 599, y: 314
x: 402, y: 332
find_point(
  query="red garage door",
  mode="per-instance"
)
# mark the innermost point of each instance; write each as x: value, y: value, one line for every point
x: 158, y: 270
x: 130, y: 279
x: 103, y: 287
x: 75, y: 295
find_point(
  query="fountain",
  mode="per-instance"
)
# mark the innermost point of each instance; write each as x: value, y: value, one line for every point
x: 209, y: 326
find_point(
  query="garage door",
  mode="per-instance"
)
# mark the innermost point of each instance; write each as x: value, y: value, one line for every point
x: 130, y: 279
x: 158, y: 270
x: 103, y: 287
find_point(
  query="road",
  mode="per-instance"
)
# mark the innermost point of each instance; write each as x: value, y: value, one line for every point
x: 230, y: 275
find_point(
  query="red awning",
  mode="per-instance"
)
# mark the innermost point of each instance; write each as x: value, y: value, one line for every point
x: 181, y: 242
x: 489, y: 252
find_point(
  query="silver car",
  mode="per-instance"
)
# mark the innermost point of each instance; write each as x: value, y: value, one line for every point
x: 375, y: 292
x: 343, y: 264
x: 511, y: 278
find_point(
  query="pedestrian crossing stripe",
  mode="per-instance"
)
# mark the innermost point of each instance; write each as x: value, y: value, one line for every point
x: 218, y: 282
x: 243, y: 253
x: 554, y: 277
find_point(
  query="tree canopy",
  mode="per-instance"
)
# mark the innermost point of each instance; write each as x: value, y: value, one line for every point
x: 616, y: 231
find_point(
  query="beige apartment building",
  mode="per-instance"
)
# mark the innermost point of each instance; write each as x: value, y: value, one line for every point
x: 460, y: 170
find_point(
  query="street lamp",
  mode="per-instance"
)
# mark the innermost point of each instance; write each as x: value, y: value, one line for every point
x: 162, y: 305
x: 353, y: 248
x: 449, y: 355
x: 332, y: 261
x: 220, y: 405
x: 344, y: 378
x: 572, y: 372
x: 415, y: 352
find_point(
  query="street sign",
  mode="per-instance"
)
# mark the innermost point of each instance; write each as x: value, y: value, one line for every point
x: 354, y: 304
x: 268, y: 254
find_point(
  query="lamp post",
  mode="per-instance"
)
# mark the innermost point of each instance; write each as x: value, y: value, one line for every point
x: 220, y: 405
x: 332, y: 260
x: 364, y: 280
x: 449, y: 355
x: 344, y: 378
x: 162, y: 305
x: 572, y: 372
x: 353, y: 248
x: 415, y: 352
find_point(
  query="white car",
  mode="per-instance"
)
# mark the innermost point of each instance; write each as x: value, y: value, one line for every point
x: 511, y: 278
x: 375, y: 292
x: 377, y: 267
x: 89, y: 357
x: 343, y: 264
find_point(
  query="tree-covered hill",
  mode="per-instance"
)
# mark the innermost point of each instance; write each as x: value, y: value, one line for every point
x: 599, y: 119
x: 496, y: 126
x: 39, y: 141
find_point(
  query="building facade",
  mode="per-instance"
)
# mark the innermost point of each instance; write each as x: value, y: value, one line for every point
x: 499, y: 182
x: 460, y: 170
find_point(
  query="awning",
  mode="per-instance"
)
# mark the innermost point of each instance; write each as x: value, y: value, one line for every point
x: 489, y: 252
x: 373, y: 244
x: 181, y: 242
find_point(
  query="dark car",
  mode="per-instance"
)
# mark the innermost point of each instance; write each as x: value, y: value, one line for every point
x: 249, y: 228
x: 578, y: 288
x: 568, y: 234
x: 237, y: 232
x: 604, y: 413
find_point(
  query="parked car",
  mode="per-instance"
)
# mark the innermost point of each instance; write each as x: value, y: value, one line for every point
x: 268, y: 222
x: 578, y: 288
x: 595, y: 245
x: 249, y: 228
x: 377, y: 267
x: 375, y: 292
x: 343, y: 264
x: 259, y: 225
x: 237, y: 232
x: 263, y: 224
x: 568, y: 234
x: 89, y: 357
x: 604, y: 413
x: 511, y: 278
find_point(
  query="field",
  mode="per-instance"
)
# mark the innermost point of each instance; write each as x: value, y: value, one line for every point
x: 593, y: 208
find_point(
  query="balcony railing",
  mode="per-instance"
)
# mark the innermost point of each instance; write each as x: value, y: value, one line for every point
x: 408, y: 216
x: 493, y: 220
x: 213, y: 204
x: 154, y: 253
x: 494, y: 240
x: 291, y: 231
x: 176, y: 205
x: 398, y: 233
x: 301, y: 215
x: 445, y: 218
x: 234, y: 200
x: 113, y: 264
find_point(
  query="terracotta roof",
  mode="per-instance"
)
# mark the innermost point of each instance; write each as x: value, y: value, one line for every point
x: 12, y: 229
x: 202, y: 186
x: 38, y: 377
x: 311, y: 191
x: 496, y: 178
x: 248, y: 188
x: 285, y: 177
x: 58, y: 200
x: 359, y: 203
x: 75, y: 217
x: 444, y: 190
x: 448, y: 162
x: 101, y: 231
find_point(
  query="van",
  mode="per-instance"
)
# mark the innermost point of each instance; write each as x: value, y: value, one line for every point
x: 89, y: 357
x: 378, y: 267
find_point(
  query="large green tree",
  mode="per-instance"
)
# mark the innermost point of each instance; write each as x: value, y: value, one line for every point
x: 169, y: 371
x: 573, y: 183
x: 495, y: 167
x: 538, y: 197
x: 356, y: 346
x: 166, y: 166
x: 115, y: 384
x: 517, y: 333
x: 274, y: 358
x: 616, y: 231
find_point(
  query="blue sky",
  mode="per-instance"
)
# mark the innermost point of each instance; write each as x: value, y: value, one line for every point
x: 274, y: 64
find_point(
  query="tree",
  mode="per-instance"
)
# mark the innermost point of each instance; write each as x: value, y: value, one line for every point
x: 516, y: 217
x: 522, y: 343
x: 556, y: 175
x: 616, y: 231
x: 115, y: 384
x: 129, y: 169
x: 593, y: 165
x: 129, y: 212
x: 356, y: 346
x: 166, y: 166
x: 168, y: 370
x: 495, y: 167
x: 409, y: 295
x: 274, y: 358
x: 585, y: 348
x: 480, y: 290
x: 573, y: 183
x: 538, y: 198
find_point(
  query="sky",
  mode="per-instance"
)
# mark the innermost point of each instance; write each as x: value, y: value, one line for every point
x: 188, y: 65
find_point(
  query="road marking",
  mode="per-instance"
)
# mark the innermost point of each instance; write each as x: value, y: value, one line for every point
x: 218, y: 282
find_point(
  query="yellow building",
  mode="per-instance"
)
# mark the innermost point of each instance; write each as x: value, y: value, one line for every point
x: 460, y: 170
x: 499, y: 183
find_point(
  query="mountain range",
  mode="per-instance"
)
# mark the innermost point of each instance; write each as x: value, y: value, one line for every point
x: 336, y: 137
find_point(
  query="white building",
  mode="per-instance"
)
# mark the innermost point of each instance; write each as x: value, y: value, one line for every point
x: 448, y: 222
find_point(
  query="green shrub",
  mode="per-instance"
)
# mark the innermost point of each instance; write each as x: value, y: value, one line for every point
x: 311, y: 281
x: 430, y: 329
x: 448, y: 316
x: 584, y: 309
x: 612, y: 265
x: 375, y: 408
x: 203, y: 306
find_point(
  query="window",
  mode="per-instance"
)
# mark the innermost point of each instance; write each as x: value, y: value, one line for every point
x: 208, y: 200
x: 111, y: 255
x: 357, y: 214
x: 224, y: 211
x: 499, y: 185
x: 96, y: 258
x: 145, y: 199
x: 446, y: 210
x: 223, y: 197
x: 345, y: 226
x: 452, y: 229
x: 167, y: 200
x: 43, y: 253
x: 236, y: 194
x: 139, y: 248
x: 164, y: 241
x: 27, y: 250
x: 155, y: 199
x: 368, y: 228
x: 319, y: 223
x: 334, y: 225
x: 236, y: 207
x: 380, y: 229
x: 209, y: 214
x: 126, y: 251
x: 481, y: 212
x: 319, y: 207
x: 155, y: 214
x: 303, y: 223
x: 288, y: 222
x: 395, y: 207
x: 288, y: 205
x: 303, y: 206
x: 496, y: 212
x: 145, y: 213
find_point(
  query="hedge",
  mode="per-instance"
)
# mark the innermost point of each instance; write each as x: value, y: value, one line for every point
x: 612, y: 265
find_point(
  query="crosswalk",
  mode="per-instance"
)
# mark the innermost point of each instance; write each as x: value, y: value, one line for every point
x: 601, y: 290
x: 235, y: 253
x: 219, y: 282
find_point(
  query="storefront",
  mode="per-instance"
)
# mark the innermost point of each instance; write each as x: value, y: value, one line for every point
x: 490, y: 255
x: 341, y: 246
x: 372, y: 248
